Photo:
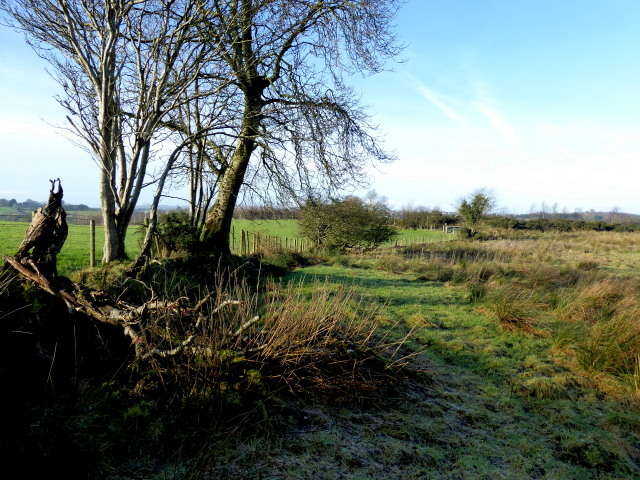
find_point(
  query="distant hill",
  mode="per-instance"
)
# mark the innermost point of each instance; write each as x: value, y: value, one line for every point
x: 13, y: 206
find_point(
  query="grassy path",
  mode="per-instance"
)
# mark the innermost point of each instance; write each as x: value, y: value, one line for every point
x: 490, y: 404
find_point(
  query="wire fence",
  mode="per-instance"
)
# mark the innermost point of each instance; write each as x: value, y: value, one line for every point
x: 242, y: 242
x: 72, y: 218
x: 249, y: 243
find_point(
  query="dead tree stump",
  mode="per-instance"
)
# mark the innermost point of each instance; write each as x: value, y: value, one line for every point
x: 35, y: 261
x: 46, y: 235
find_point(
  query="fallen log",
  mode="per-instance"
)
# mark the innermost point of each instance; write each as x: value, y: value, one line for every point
x: 117, y: 314
x: 35, y: 261
x: 102, y: 308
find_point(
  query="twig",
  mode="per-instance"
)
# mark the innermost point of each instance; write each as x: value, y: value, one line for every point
x: 224, y: 304
x: 187, y: 341
x: 201, y: 303
x: 246, y: 325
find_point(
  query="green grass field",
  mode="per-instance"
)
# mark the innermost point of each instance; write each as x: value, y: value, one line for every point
x: 278, y: 228
x: 467, y: 422
x: 512, y: 337
x: 75, y: 253
x: 523, y: 360
x: 290, y: 229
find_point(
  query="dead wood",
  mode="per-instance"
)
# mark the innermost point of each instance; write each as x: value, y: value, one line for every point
x: 46, y: 234
x: 35, y: 261
x: 102, y: 308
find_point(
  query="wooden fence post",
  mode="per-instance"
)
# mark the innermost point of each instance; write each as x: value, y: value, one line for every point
x: 92, y: 243
x: 233, y: 238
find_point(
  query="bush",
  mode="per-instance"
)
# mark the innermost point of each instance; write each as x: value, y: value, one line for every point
x: 175, y: 233
x: 347, y: 224
x: 475, y: 208
x: 506, y: 222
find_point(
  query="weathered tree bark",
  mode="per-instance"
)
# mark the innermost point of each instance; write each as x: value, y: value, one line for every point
x: 217, y: 227
x: 35, y: 260
x: 46, y: 235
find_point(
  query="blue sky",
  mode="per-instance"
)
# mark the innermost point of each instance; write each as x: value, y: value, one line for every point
x: 537, y: 100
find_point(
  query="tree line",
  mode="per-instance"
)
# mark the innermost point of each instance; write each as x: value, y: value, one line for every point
x: 29, y: 204
x: 559, y: 224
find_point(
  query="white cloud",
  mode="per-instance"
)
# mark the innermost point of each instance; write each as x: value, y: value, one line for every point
x: 441, y: 102
x: 587, y: 163
x: 500, y: 123
x: 625, y: 139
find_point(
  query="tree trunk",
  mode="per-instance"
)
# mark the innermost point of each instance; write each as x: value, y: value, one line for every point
x: 217, y: 226
x: 153, y: 211
x: 108, y: 206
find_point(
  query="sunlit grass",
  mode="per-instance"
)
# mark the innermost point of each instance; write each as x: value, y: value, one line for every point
x: 506, y: 373
x: 76, y: 250
x: 524, y: 356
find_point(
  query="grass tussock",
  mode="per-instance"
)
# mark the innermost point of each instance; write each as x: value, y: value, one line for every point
x: 567, y: 287
x: 514, y: 310
x: 323, y: 342
x: 593, y: 299
x: 545, y: 387
x: 612, y: 345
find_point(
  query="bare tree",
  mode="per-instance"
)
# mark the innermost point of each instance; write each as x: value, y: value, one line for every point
x: 272, y: 71
x: 614, y: 215
x: 190, y: 163
x: 196, y: 123
x: 124, y: 65
x: 292, y: 126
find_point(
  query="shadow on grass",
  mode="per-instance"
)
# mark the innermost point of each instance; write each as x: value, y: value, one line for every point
x: 387, y: 291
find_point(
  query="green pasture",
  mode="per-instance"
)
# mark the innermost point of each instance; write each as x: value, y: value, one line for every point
x: 75, y: 254
x: 290, y: 229
x: 76, y: 251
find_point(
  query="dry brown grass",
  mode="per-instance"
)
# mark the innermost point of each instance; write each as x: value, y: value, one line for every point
x: 581, y: 288
x: 612, y: 345
x: 514, y: 310
x: 594, y: 299
x: 320, y: 341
